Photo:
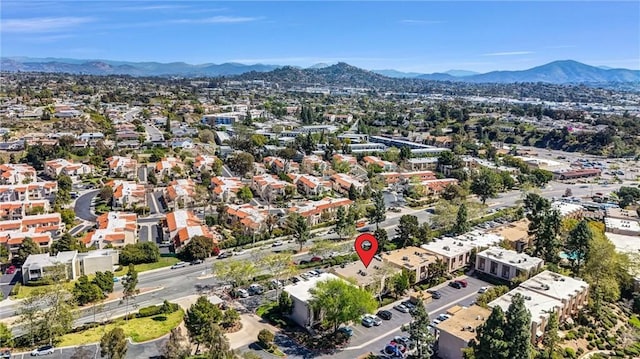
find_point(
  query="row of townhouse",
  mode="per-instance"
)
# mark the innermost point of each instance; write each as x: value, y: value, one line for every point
x: 113, y: 228
x: 385, y: 165
x: 181, y: 193
x: 183, y: 225
x: 314, y: 164
x: 280, y: 165
x: 12, y: 210
x: 127, y: 194
x: 342, y: 182
x: 204, y: 163
x: 41, y: 228
x: 169, y: 166
x: 225, y: 189
x: 269, y: 187
x: 320, y: 211
x: 57, y: 167
x: 20, y: 173
x: 309, y: 185
x: 26, y: 192
x: 251, y: 218
x: 124, y: 167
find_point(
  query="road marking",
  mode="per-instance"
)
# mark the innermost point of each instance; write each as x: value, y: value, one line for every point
x: 398, y: 328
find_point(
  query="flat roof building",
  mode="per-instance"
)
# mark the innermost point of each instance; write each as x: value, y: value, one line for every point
x: 457, y: 331
x: 627, y: 227
x: 302, y: 312
x: 413, y: 259
x: 456, y: 251
x: 506, y: 264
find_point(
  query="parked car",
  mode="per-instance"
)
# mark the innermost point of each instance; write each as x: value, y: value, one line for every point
x: 277, y: 243
x: 367, y: 321
x: 456, y: 285
x: 242, y: 293
x: 316, y: 259
x: 303, y: 262
x: 435, y: 294
x: 5, y: 353
x: 348, y: 331
x: 197, y: 261
x: 443, y: 317
x: 224, y: 255
x: 385, y: 314
x: 376, y: 321
x: 463, y: 282
x: 401, y: 308
x: 295, y: 280
x: 409, y: 305
x: 11, y: 270
x: 179, y: 265
x: 45, y: 350
x: 483, y: 289
x: 403, y: 340
x: 255, y: 289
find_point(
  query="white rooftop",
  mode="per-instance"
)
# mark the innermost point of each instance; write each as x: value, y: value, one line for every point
x: 566, y: 208
x: 622, y: 224
x: 461, y: 244
x: 624, y: 243
x: 554, y: 285
x: 519, y: 260
x: 300, y: 290
x: 539, y: 305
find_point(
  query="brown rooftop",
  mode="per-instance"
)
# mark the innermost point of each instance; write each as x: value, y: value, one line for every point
x: 409, y: 257
x: 464, y: 323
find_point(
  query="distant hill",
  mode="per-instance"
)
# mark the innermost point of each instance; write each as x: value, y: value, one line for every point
x: 108, y: 67
x: 557, y: 72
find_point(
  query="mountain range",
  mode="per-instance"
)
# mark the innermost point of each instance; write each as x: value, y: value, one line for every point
x: 557, y: 72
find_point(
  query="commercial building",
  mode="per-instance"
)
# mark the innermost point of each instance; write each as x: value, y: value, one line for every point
x: 506, y: 264
x: 302, y: 313
x: 456, y: 251
x: 626, y: 227
x: 568, y: 210
x: 69, y: 264
x: 457, y: 331
x: 373, y: 278
x: 412, y: 259
x: 516, y: 233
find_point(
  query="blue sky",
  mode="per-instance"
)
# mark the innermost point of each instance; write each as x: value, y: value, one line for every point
x: 421, y: 36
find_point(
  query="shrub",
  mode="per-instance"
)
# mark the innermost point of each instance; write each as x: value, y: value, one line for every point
x: 160, y: 318
x: 149, y: 311
x: 570, y: 335
x: 168, y: 307
x: 262, y: 277
x: 15, y: 290
x: 569, y: 353
x: 265, y: 337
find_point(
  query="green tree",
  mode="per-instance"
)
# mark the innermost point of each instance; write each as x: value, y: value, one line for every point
x: 27, y: 248
x: 113, y: 344
x: 241, y: 163
x: 454, y: 192
x: 217, y: 343
x: 206, y: 136
x: 86, y: 292
x: 6, y: 337
x: 507, y: 181
x: 340, y: 302
x: 265, y: 338
x: 130, y: 284
x: 48, y: 313
x: 517, y: 329
x: 104, y: 280
x: 199, y: 247
x: 235, y: 272
x: 299, y: 228
x: 578, y: 245
x: 245, y: 194
x: 199, y: 318
x: 551, y: 338
x: 485, y: 185
x: 491, y: 342
x: 285, y: 303
x: 400, y: 283
x: 407, y: 229
x: 341, y: 221
x: 419, y: 331
x: 462, y: 220
x: 138, y: 253
x: 64, y: 183
x: 176, y: 346
x: 378, y: 213
x: 230, y: 318
x: 68, y: 216
x: 545, y: 241
x: 353, y: 192
x: 382, y: 237
x: 490, y: 295
x: 66, y: 243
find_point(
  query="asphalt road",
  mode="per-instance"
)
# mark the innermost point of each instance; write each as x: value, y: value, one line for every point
x: 82, y: 206
x: 134, y: 351
x: 153, y: 134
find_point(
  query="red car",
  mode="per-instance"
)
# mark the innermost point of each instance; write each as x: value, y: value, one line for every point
x: 463, y: 282
x: 316, y: 259
x: 11, y: 270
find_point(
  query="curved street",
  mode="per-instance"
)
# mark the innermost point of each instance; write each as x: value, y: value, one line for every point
x: 82, y: 206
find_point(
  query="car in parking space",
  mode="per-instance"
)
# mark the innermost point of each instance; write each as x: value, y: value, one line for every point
x: 435, y: 294
x: 443, y: 317
x: 367, y: 321
x: 295, y: 280
x: 277, y: 244
x: 435, y: 322
x: 242, y: 293
x: 385, y: 314
x: 195, y: 262
x: 376, y: 320
x: 11, y: 270
x: 403, y: 340
x: 45, y: 350
x: 455, y: 285
x: 225, y: 255
x: 483, y: 289
x: 409, y: 305
x: 401, y: 308
x: 312, y: 273
x: 463, y: 282
x: 255, y: 289
x: 348, y: 331
x: 179, y: 265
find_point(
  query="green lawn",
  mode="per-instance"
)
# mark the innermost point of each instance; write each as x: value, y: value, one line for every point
x: 139, y: 329
x: 26, y: 290
x: 635, y: 321
x: 163, y: 262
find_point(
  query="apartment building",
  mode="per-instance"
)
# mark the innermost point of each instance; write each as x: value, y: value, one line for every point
x: 314, y: 164
x: 12, y: 239
x: 204, y: 162
x: 342, y: 182
x: 434, y: 188
x: 225, y: 188
x: 516, y: 233
x: 280, y: 165
x: 181, y: 193
x: 113, y: 228
x: 413, y: 259
x: 169, y: 166
x: 309, y: 185
x: 373, y: 160
x: 183, y: 225
x: 324, y: 210
x: 456, y: 251
x: 123, y: 167
x: 414, y: 176
x: 26, y: 192
x: 269, y: 187
x: 127, y: 194
x: 250, y: 217
x: 57, y: 167
x: 422, y: 164
x: 506, y: 264
x: 18, y: 209
x: 351, y: 160
x: 457, y: 331
x: 19, y: 173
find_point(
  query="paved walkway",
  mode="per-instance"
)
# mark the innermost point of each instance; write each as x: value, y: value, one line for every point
x: 251, y: 326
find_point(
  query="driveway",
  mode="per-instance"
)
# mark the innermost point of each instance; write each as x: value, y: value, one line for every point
x: 7, y: 281
x: 82, y: 206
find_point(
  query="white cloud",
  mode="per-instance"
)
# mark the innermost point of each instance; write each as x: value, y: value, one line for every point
x: 216, y: 20
x: 42, y: 24
x: 509, y: 53
x: 424, y: 22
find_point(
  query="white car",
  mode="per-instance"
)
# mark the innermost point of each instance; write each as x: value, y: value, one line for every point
x: 277, y: 243
x: 179, y: 265
x: 483, y: 289
x: 45, y: 350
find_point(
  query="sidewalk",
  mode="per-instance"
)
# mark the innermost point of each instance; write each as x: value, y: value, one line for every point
x: 251, y: 326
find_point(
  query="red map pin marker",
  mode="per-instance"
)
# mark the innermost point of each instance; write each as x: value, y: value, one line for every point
x: 366, y: 246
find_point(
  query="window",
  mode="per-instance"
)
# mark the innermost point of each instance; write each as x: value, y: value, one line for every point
x: 493, y: 269
x: 481, y: 263
x: 505, y: 271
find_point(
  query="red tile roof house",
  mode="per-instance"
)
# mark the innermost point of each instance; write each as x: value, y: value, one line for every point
x: 40, y: 228
x: 280, y: 165
x: 115, y: 228
x: 225, y: 188
x: 269, y: 187
x: 123, y: 167
x: 126, y: 194
x: 345, y: 158
x: 168, y: 165
x: 16, y: 173
x: 314, y: 164
x: 310, y: 185
x: 342, y: 182
x: 18, y: 209
x: 324, y: 210
x: 248, y: 216
x: 418, y: 176
x: 183, y: 225
x: 373, y: 160
x: 31, y: 191
x: 12, y: 240
x: 61, y: 166
x: 204, y: 162
x: 181, y: 193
